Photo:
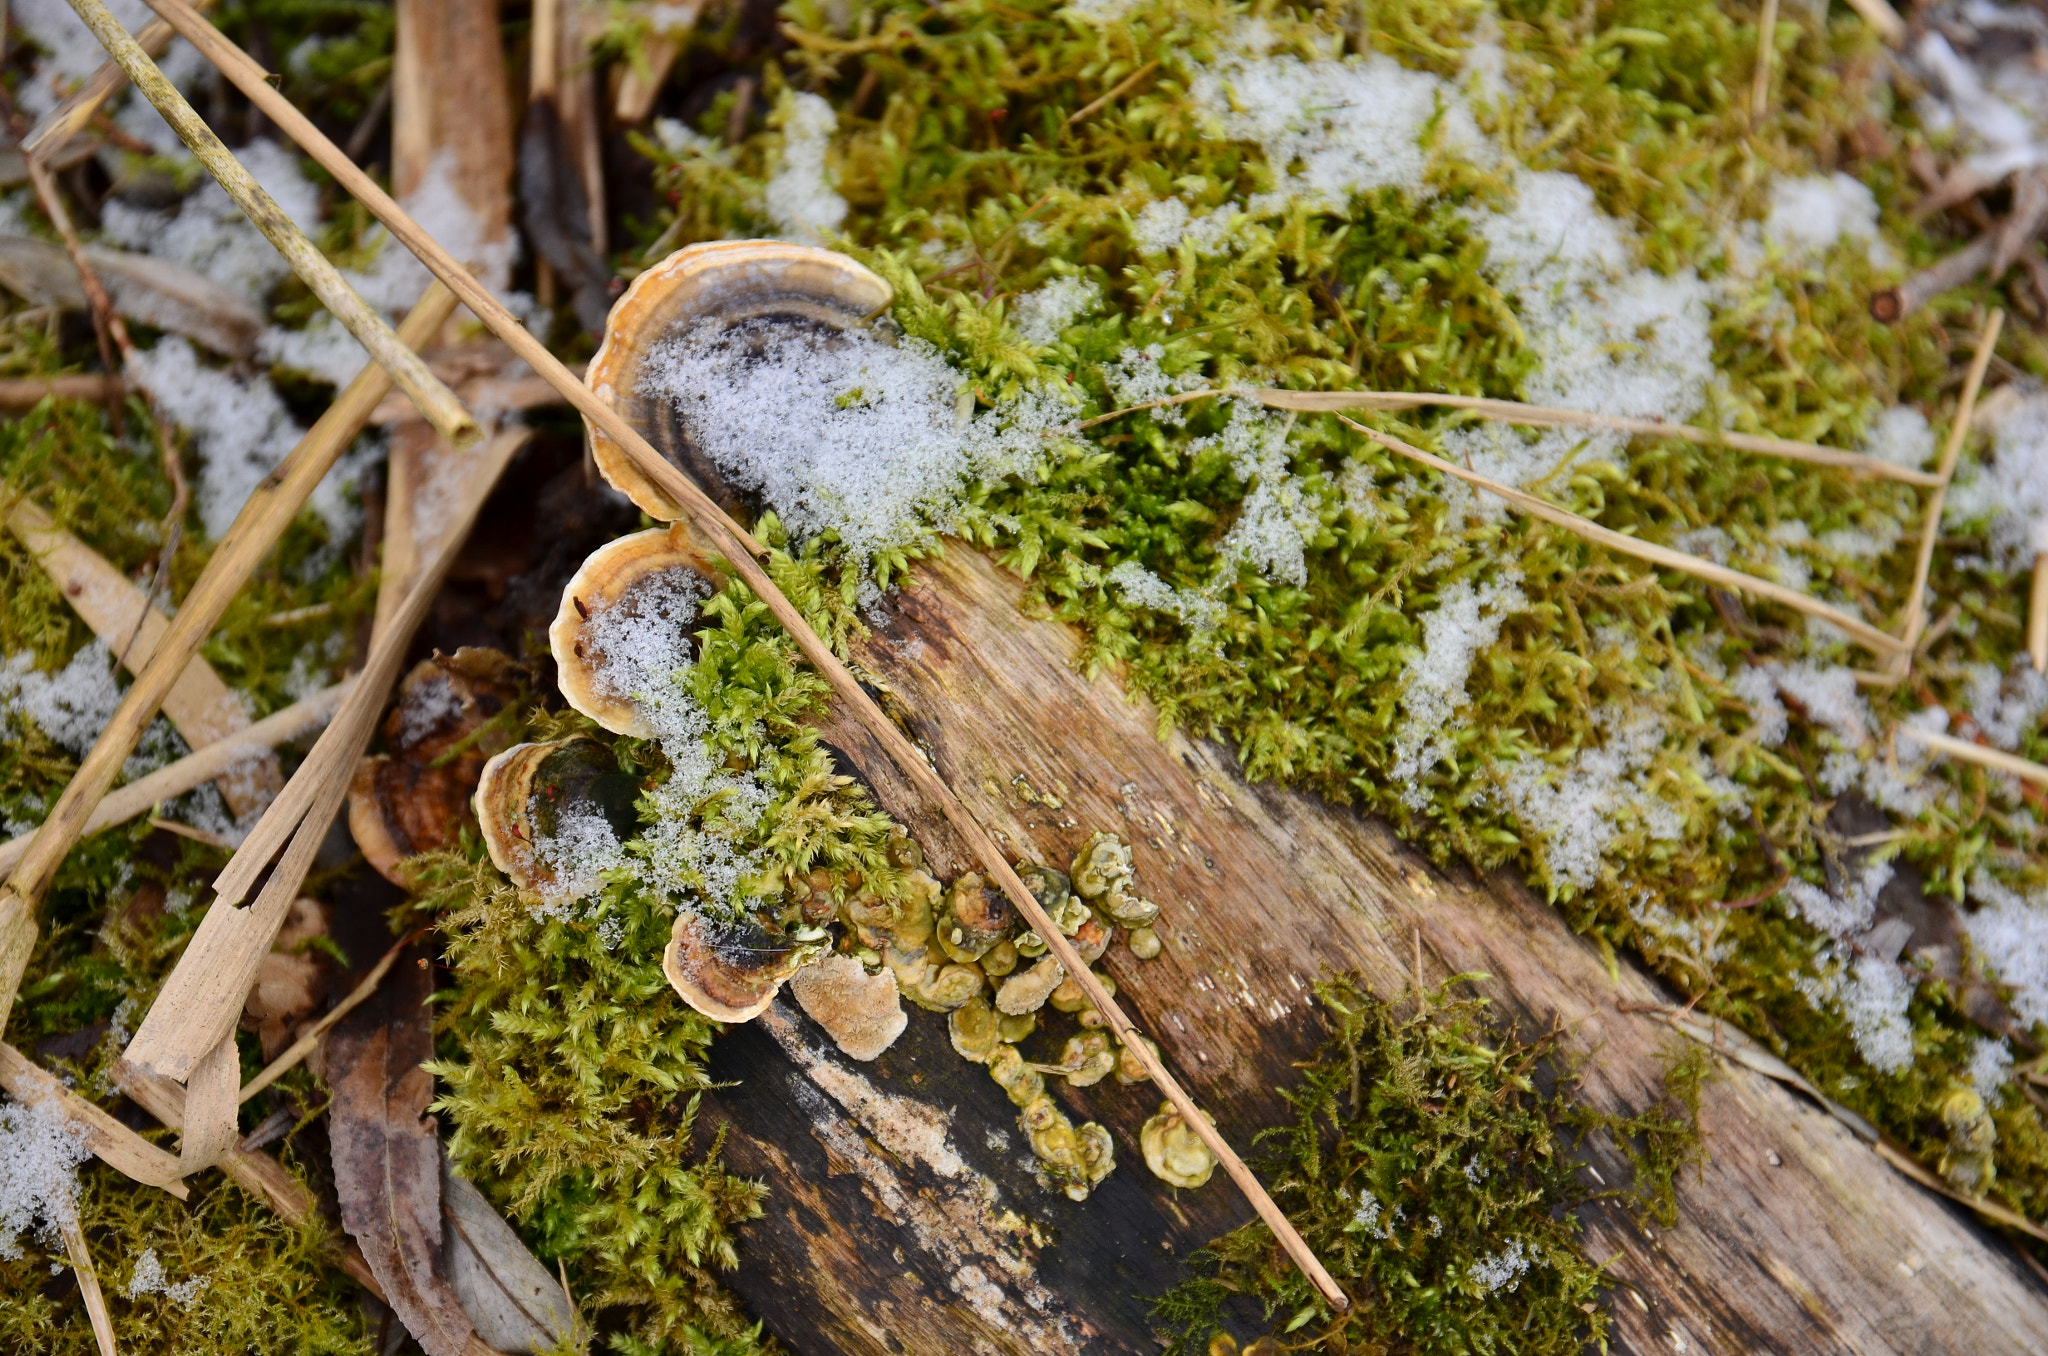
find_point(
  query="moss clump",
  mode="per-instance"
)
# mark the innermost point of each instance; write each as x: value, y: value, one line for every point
x: 233, y: 1277
x: 968, y: 186
x: 1431, y: 1176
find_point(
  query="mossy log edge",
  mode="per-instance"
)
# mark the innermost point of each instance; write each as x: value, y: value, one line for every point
x: 1796, y: 1239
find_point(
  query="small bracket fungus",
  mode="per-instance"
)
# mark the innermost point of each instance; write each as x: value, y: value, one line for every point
x: 1027, y: 992
x: 1174, y: 1152
x: 413, y: 799
x: 1144, y: 943
x: 860, y: 1012
x: 535, y: 801
x: 730, y: 972
x: 1968, y: 1161
x: 975, y: 918
x: 622, y: 581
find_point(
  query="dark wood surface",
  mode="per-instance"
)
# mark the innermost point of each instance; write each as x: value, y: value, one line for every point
x: 902, y: 1218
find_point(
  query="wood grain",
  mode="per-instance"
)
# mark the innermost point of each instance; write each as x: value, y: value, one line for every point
x: 1797, y: 1238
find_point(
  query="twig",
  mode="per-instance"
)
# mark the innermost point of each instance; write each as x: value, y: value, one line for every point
x: 739, y: 549
x: 436, y: 401
x: 1115, y: 92
x: 1882, y: 17
x: 1546, y: 416
x: 88, y: 1278
x: 1766, y: 50
x: 199, y: 1002
x: 98, y: 303
x: 1958, y: 429
x: 1878, y: 642
x: 1964, y: 750
x: 197, y: 768
x: 197, y: 835
x: 2037, y: 615
x: 21, y: 393
x: 263, y: 519
x: 313, y: 1034
x: 46, y: 140
x: 1894, y: 304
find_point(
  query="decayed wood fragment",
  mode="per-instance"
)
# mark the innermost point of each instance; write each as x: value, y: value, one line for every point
x: 1796, y: 1239
x: 202, y: 707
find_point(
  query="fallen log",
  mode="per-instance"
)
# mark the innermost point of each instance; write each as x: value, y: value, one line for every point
x: 890, y: 1225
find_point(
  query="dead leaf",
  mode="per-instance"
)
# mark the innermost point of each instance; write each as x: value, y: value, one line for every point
x: 149, y: 291
x: 415, y: 798
x: 387, y: 1156
x: 516, y: 1304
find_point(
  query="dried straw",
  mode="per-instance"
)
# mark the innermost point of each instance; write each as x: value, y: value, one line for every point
x: 435, y: 400
x: 740, y: 549
x: 1958, y: 429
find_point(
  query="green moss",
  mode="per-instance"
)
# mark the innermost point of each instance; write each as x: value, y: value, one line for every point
x: 968, y: 186
x: 1423, y: 1164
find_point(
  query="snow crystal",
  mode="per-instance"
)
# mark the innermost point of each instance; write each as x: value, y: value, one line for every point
x: 1843, y: 914
x: 643, y: 648
x: 39, y: 1155
x: 1042, y: 315
x: 1100, y: 13
x: 2010, y: 932
x: 1330, y: 129
x: 1997, y: 126
x: 1164, y: 225
x: 1280, y: 515
x: 148, y: 1279
x: 1137, y: 377
x: 1810, y: 213
x: 1502, y: 1272
x: 1873, y: 998
x: 2007, y: 707
x: 685, y: 142
x: 841, y: 431
x: 1366, y: 1218
x: 1142, y: 588
x: 2014, y: 487
x: 1990, y: 1067
x: 1466, y: 620
x: 241, y: 428
x: 577, y: 854
x: 1578, y: 809
x: 72, y: 705
x: 1901, y: 436
x: 1612, y: 339
x: 800, y: 198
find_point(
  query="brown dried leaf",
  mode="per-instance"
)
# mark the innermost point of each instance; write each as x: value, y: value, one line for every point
x: 515, y: 1302
x: 387, y: 1158
x: 290, y: 981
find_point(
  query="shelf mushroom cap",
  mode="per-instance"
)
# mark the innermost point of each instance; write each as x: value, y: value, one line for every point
x: 729, y: 281
x: 622, y: 573
x: 526, y: 791
x: 730, y: 972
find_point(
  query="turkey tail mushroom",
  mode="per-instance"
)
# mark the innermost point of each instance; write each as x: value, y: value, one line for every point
x: 634, y: 577
x: 731, y: 972
x: 729, y: 283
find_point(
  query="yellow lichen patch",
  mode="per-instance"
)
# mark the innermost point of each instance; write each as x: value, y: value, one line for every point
x: 1173, y: 1151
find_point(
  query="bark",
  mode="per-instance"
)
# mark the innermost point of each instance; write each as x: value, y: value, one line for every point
x: 890, y: 1230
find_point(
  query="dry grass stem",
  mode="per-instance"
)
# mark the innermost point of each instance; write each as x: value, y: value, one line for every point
x: 256, y: 529
x: 740, y: 550
x: 197, y: 1007
x: 115, y: 1144
x: 56, y: 128
x: 1766, y: 53
x: 435, y: 400
x: 310, y: 1039
x: 22, y: 393
x: 1862, y: 632
x: 1967, y: 751
x: 1882, y: 17
x: 1545, y: 416
x: 2037, y: 615
x: 1112, y: 94
x: 1958, y: 429
x: 88, y: 1280
x: 196, y: 768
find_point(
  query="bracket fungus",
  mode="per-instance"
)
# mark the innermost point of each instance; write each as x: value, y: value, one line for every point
x: 731, y: 970
x: 1173, y: 1151
x: 621, y: 582
x: 533, y: 795
x: 754, y: 283
x: 862, y: 1013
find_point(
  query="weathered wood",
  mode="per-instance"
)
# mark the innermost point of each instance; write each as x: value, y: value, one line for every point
x: 1796, y: 1239
x: 451, y: 119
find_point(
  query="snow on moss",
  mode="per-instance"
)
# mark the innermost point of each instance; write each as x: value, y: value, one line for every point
x: 1467, y: 619
x: 1990, y: 1067
x: 844, y: 432
x: 2007, y: 706
x: 1811, y: 213
x: 1329, y: 128
x: 39, y: 1156
x: 148, y: 1278
x: 1142, y: 588
x: 1502, y: 1272
x: 2009, y: 931
x: 800, y: 198
x: 1043, y: 314
x: 1900, y: 435
x: 1871, y: 994
x: 1577, y: 810
x: 2012, y: 490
